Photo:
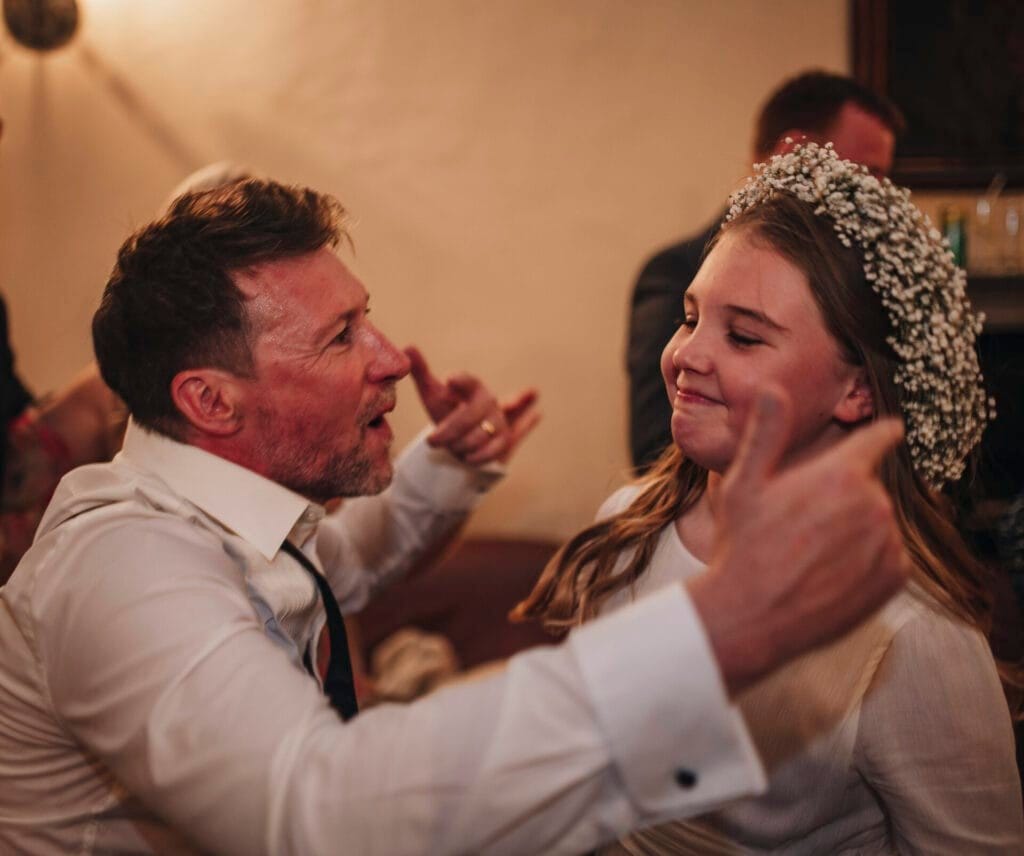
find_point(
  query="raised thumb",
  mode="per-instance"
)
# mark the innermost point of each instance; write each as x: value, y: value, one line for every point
x: 765, y: 437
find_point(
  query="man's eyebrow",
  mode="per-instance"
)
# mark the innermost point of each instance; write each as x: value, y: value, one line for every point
x: 328, y: 331
x: 755, y: 315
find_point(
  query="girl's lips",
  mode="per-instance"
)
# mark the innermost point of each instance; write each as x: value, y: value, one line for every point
x: 689, y: 396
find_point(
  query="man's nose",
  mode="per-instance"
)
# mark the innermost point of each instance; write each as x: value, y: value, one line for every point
x: 389, y: 364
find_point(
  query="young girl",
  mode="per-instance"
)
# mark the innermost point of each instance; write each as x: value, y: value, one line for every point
x: 897, y: 738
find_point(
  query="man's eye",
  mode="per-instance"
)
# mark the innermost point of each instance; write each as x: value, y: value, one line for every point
x: 344, y: 337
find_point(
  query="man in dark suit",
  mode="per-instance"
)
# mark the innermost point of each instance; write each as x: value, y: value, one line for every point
x: 816, y: 106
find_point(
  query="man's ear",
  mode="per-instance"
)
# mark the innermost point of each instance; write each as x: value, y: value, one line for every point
x: 210, y: 400
x: 857, y: 404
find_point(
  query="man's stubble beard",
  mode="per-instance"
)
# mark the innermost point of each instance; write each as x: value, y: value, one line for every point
x: 303, y: 469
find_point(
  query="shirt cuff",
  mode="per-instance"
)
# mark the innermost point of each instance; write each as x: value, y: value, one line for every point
x: 680, y: 747
x: 437, y: 474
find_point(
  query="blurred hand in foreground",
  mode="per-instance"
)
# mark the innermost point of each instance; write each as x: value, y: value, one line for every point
x: 802, y: 554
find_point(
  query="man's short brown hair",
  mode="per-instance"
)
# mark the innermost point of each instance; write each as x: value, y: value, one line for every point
x: 171, y: 302
x: 811, y: 102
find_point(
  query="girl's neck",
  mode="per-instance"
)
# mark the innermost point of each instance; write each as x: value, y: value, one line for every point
x: 696, y: 527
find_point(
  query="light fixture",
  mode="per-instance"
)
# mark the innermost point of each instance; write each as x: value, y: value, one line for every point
x: 42, y: 25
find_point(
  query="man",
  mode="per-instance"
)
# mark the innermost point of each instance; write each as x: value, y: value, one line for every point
x: 153, y: 691
x: 815, y: 106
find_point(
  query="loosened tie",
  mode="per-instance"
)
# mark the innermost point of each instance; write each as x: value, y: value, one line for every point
x: 339, y: 685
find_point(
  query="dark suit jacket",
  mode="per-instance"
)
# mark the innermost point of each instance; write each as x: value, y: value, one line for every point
x: 655, y: 314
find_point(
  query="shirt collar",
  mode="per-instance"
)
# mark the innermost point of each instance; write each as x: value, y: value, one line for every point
x: 255, y: 508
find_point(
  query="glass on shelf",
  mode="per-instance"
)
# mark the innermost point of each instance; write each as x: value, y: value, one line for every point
x: 953, y: 226
x: 983, y: 259
x: 1011, y: 262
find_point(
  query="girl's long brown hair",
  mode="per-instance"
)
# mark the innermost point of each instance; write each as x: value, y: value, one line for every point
x: 582, y: 575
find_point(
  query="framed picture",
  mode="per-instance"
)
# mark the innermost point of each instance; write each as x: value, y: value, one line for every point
x: 956, y: 70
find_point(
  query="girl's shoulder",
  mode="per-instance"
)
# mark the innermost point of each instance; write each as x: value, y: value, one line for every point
x: 619, y: 501
x: 931, y: 655
x: 915, y: 612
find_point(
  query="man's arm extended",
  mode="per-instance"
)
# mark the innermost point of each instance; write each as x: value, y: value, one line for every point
x: 159, y: 668
x: 438, y: 481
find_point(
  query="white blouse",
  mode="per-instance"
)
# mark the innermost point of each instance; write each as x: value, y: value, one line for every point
x: 895, y: 739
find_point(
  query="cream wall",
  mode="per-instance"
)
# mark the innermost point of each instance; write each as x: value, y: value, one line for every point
x: 509, y: 164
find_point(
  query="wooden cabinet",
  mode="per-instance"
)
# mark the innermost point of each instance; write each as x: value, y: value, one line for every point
x: 1001, y: 298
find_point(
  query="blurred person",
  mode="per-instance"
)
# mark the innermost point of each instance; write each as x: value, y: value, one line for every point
x: 897, y: 738
x: 42, y: 439
x: 209, y: 177
x: 79, y: 424
x: 816, y: 106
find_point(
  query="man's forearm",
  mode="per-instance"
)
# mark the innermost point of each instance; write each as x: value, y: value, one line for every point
x: 373, y: 540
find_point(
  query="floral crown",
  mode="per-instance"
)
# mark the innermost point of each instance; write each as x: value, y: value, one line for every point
x: 910, y: 267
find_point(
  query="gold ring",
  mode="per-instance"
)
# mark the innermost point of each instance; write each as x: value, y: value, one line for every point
x: 488, y: 427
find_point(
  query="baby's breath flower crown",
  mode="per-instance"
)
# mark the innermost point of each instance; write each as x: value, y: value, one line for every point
x: 910, y: 267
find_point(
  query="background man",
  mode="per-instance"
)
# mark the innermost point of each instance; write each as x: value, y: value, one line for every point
x: 816, y: 106
x: 160, y: 673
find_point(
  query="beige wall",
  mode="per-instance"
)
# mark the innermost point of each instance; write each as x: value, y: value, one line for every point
x: 509, y: 162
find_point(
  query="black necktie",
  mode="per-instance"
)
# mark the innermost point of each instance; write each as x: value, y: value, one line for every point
x: 339, y: 686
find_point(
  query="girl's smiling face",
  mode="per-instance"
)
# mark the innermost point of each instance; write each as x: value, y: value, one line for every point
x: 750, y: 320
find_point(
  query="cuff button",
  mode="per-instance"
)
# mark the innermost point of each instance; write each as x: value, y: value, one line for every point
x: 685, y: 778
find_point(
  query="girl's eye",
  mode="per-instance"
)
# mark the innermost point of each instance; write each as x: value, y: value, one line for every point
x: 742, y: 341
x: 689, y: 322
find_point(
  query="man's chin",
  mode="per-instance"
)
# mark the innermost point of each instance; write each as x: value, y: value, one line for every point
x: 379, y: 481
x: 372, y: 482
x: 346, y: 480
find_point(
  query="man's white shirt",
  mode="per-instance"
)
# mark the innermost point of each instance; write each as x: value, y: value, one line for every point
x: 153, y: 699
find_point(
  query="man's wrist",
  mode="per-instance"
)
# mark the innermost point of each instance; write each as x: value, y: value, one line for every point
x: 735, y: 631
x: 451, y: 484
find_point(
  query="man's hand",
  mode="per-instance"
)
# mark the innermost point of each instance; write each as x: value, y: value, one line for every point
x: 802, y: 554
x: 471, y: 423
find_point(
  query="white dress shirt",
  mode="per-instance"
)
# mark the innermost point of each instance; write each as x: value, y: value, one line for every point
x: 152, y: 697
x: 894, y: 739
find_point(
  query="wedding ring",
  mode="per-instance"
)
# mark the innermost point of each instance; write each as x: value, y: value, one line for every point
x: 488, y: 427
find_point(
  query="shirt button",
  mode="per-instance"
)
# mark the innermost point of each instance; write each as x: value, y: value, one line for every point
x: 685, y: 778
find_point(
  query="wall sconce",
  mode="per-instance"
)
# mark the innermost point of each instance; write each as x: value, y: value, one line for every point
x: 42, y: 25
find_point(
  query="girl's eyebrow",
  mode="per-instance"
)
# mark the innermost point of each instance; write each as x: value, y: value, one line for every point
x: 755, y: 315
x: 743, y: 311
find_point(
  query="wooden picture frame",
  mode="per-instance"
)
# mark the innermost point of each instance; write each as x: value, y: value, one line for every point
x: 956, y: 69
